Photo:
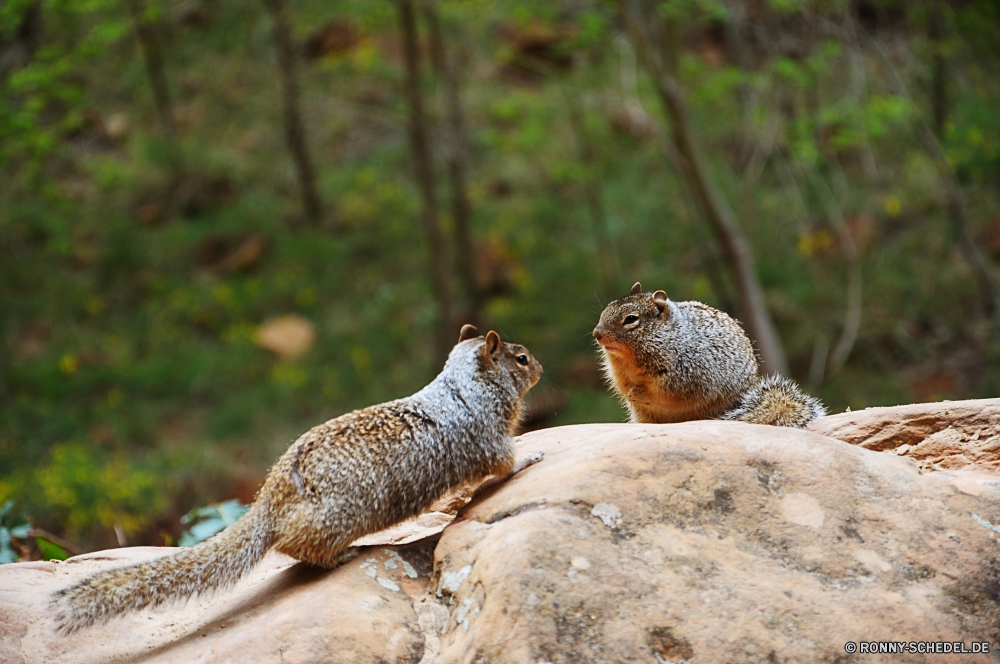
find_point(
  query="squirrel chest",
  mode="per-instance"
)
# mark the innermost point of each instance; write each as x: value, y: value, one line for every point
x: 650, y: 398
x: 678, y: 361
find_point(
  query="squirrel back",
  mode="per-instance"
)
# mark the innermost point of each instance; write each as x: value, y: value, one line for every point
x: 678, y: 361
x: 351, y: 476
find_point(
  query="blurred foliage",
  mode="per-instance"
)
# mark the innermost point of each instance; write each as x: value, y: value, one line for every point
x: 10, y: 527
x: 84, y: 487
x: 16, y: 536
x: 209, y: 520
x: 131, y: 386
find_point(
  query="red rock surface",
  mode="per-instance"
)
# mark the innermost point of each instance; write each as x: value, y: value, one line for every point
x: 939, y: 436
x: 695, y: 542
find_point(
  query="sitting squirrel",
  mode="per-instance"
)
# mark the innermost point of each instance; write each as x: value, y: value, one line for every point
x: 679, y: 361
x: 352, y: 476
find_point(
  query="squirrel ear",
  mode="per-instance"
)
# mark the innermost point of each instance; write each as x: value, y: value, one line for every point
x: 490, y: 347
x: 468, y: 332
x: 636, y: 289
x: 660, y: 301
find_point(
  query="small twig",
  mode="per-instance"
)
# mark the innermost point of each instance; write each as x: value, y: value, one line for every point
x: 732, y: 241
x: 55, y: 539
x: 852, y: 312
x: 817, y: 367
x: 456, y: 145
x: 295, y: 132
x: 592, y: 194
x: 423, y: 167
x: 153, y: 58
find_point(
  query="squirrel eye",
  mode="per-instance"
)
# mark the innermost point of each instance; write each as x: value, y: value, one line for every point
x: 631, y: 318
x: 522, y: 359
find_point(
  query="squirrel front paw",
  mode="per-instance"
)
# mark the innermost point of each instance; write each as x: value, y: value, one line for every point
x: 495, y: 480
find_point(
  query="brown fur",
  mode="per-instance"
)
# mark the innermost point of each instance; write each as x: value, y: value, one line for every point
x: 354, y: 475
x: 777, y: 401
x: 678, y: 361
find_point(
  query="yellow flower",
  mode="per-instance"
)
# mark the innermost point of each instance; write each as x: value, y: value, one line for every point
x: 69, y: 364
x: 893, y: 206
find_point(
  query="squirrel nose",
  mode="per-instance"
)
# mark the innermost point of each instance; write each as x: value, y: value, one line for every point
x: 598, y: 333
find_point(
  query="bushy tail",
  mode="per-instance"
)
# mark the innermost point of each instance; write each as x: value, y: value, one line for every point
x: 778, y: 401
x: 211, y: 565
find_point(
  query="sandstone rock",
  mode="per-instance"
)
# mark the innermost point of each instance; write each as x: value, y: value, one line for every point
x: 940, y: 436
x: 285, y: 611
x: 695, y: 542
x: 717, y: 541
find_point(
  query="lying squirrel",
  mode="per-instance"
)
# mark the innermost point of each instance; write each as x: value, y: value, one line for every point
x: 352, y: 476
x: 679, y: 361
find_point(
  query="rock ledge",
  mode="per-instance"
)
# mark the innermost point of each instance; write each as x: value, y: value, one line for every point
x: 696, y: 542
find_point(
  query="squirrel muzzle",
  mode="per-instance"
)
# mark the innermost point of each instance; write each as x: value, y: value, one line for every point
x: 602, y: 337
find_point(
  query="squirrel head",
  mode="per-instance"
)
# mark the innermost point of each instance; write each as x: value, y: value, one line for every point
x: 626, y: 322
x: 502, y: 360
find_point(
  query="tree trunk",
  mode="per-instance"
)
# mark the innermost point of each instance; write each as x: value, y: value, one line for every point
x: 734, y: 245
x: 424, y: 171
x: 852, y: 305
x: 592, y: 191
x: 457, y: 163
x: 295, y: 134
x: 732, y: 32
x: 20, y: 50
x: 939, y: 92
x: 153, y: 58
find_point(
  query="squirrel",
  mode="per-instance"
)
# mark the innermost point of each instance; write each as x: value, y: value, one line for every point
x: 678, y: 361
x: 351, y: 476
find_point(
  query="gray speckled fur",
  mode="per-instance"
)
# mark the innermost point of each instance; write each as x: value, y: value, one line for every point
x: 691, y: 362
x: 351, y: 476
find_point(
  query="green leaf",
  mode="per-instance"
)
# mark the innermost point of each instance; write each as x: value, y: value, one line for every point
x: 51, y: 550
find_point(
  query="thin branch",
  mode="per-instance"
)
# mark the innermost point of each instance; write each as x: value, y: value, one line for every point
x: 294, y: 127
x: 153, y: 59
x: 939, y: 80
x: 817, y: 366
x: 55, y: 539
x: 859, y: 87
x: 424, y: 172
x: 713, y: 264
x: 735, y: 247
x: 457, y: 165
x: 853, y: 302
x: 592, y: 192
